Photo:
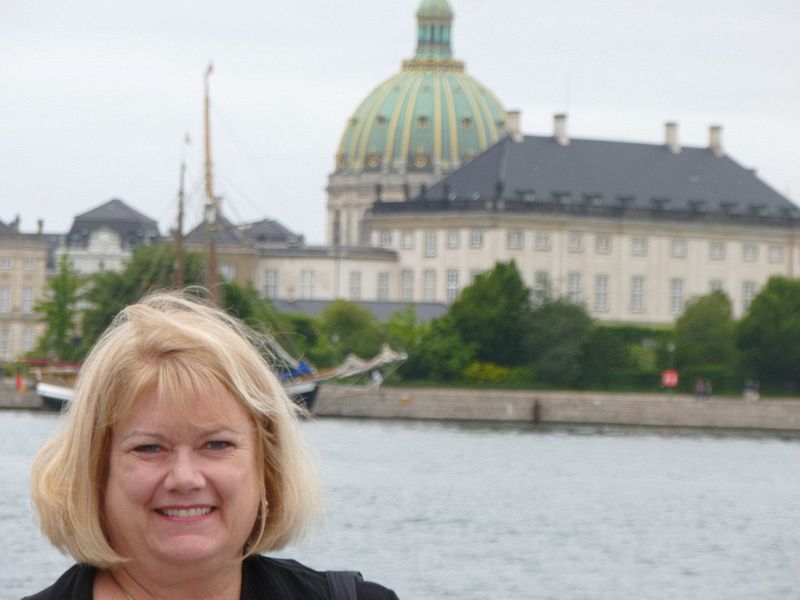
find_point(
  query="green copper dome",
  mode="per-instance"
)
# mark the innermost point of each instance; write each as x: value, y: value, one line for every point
x: 429, y: 117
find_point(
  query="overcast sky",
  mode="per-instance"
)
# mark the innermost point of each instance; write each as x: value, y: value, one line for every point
x: 97, y: 96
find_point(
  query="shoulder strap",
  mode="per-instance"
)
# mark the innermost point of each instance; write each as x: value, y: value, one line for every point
x: 343, y: 584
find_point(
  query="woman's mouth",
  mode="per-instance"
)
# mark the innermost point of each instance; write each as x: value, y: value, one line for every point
x: 185, y: 513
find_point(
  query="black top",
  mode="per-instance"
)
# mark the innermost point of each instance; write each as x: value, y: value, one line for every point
x: 281, y: 579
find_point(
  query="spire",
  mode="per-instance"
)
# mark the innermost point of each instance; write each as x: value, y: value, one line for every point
x: 434, y: 23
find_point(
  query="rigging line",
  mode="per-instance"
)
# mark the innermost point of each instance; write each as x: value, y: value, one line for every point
x: 244, y: 149
x: 229, y: 182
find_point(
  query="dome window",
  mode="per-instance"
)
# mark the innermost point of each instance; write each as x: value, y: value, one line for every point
x: 423, y: 122
x: 381, y: 121
x: 353, y: 122
x: 373, y: 160
x: 466, y: 123
x: 421, y: 159
x: 341, y: 161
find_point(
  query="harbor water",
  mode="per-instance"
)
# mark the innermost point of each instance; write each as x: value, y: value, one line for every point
x: 470, y: 511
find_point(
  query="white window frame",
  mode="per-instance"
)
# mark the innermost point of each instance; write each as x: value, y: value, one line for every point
x: 602, y: 244
x: 542, y: 287
x: 307, y: 277
x: 639, y: 247
x: 476, y: 238
x: 716, y: 250
x: 382, y: 292
x: 27, y: 299
x: 355, y: 285
x: 542, y: 241
x: 452, y: 284
x: 5, y: 299
x: 28, y: 264
x: 574, y: 241
x: 429, y: 246
x: 749, y: 252
x: 429, y: 285
x: 637, y: 294
x: 407, y: 284
x: 601, y: 293
x: 749, y: 292
x: 574, y: 287
x: 385, y: 238
x: 775, y: 253
x: 407, y: 240
x: 676, y: 295
x: 271, y: 283
x: 514, y: 239
x: 678, y: 248
x: 453, y: 238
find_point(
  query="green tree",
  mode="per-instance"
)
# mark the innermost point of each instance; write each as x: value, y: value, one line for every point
x: 704, y: 333
x: 493, y: 314
x: 351, y: 329
x: 150, y: 268
x: 559, y: 334
x: 442, y: 354
x: 769, y: 334
x: 59, y: 307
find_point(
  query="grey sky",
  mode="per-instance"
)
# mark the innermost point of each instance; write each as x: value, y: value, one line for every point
x: 97, y: 96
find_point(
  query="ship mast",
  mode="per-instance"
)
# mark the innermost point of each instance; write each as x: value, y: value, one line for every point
x: 179, y: 259
x: 211, y: 208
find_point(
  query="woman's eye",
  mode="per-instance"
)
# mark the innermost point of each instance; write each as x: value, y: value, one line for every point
x: 147, y: 448
x: 218, y: 445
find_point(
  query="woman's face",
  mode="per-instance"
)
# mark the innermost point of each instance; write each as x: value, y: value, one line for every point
x: 183, y: 486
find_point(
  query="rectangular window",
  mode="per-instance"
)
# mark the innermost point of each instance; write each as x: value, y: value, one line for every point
x: 775, y: 253
x: 748, y: 293
x: 385, y: 239
x: 27, y: 299
x: 676, y: 296
x: 430, y: 285
x: 5, y: 343
x: 601, y: 293
x: 749, y: 252
x: 227, y: 272
x: 28, y: 264
x: 574, y: 242
x: 5, y: 262
x: 473, y: 275
x: 574, y: 287
x: 27, y: 340
x: 5, y: 299
x: 271, y: 283
x: 407, y: 284
x: 453, y: 238
x: 408, y: 240
x: 430, y: 243
x: 717, y: 250
x: 637, y: 294
x: 475, y: 238
x: 355, y: 285
x: 542, y: 241
x: 715, y: 285
x: 306, y: 284
x: 514, y: 239
x: 639, y: 247
x: 678, y: 248
x: 383, y: 286
x: 602, y: 244
x: 541, y: 287
x: 452, y: 284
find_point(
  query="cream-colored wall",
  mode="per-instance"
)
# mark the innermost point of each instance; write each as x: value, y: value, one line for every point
x: 17, y: 320
x: 103, y: 252
x: 658, y: 267
x: 332, y: 276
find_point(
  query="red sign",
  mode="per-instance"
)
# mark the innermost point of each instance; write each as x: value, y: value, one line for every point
x: 669, y: 378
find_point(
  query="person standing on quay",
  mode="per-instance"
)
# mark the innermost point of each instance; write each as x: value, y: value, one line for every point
x: 178, y: 464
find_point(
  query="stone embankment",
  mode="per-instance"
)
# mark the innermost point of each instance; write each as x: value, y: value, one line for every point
x: 10, y: 397
x: 532, y: 406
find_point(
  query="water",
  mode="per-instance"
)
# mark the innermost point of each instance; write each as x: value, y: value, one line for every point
x: 486, y: 512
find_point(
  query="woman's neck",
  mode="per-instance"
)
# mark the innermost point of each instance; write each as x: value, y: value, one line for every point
x: 133, y: 581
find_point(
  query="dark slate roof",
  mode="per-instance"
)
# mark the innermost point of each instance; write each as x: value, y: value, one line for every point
x: 425, y: 311
x: 610, y: 176
x: 133, y: 227
x: 265, y: 232
x: 5, y: 229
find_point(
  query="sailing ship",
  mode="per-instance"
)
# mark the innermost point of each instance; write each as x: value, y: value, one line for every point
x: 299, y: 378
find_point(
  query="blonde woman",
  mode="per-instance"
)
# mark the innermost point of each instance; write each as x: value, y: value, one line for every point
x: 178, y: 465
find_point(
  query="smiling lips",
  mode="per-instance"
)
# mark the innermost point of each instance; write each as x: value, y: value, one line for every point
x: 193, y: 512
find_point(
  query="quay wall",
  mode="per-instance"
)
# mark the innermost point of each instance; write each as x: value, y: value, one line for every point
x: 557, y: 407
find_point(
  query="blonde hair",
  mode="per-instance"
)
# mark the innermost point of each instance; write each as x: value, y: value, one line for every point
x: 173, y: 343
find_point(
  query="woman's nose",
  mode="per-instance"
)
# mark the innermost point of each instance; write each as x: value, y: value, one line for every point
x: 185, y: 473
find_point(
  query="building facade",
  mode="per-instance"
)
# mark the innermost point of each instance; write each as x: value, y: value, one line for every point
x: 23, y: 277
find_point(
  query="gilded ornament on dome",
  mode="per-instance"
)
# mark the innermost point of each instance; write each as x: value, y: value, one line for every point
x: 421, y: 159
x: 373, y: 160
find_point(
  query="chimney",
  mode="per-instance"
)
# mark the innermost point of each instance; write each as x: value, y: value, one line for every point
x: 671, y: 137
x: 514, y: 125
x: 560, y: 129
x: 15, y: 224
x: 715, y: 140
x: 40, y: 226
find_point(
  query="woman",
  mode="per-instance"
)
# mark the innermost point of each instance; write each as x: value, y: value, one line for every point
x: 178, y: 464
